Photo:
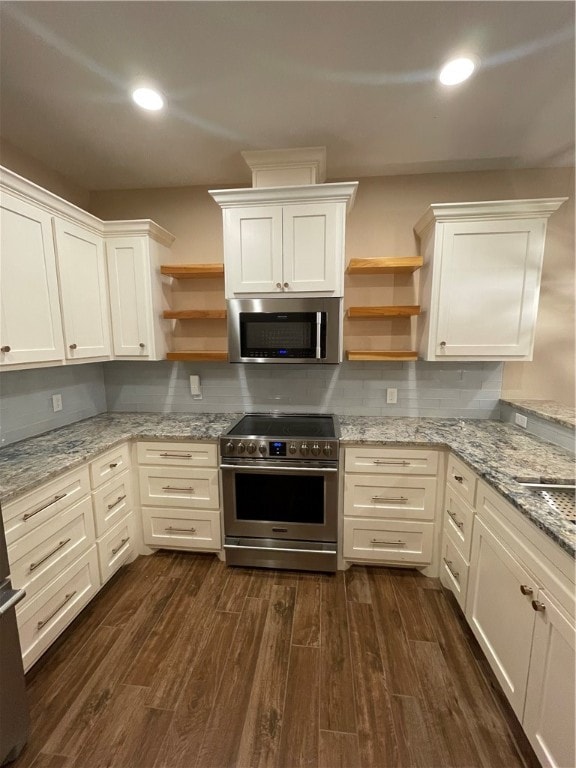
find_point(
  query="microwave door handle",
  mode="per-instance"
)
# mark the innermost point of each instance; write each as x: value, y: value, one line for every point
x: 318, y: 335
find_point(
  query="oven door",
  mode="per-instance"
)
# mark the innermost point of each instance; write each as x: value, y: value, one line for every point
x: 293, y: 500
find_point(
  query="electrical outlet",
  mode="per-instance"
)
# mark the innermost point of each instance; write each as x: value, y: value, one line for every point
x: 521, y: 420
x: 391, y: 395
x: 195, y: 387
x: 56, y: 403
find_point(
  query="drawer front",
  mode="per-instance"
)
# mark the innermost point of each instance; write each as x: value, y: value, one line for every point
x: 178, y: 454
x: 112, y: 502
x: 462, y: 479
x: 387, y: 496
x: 176, y: 529
x: 109, y: 465
x: 388, y: 541
x: 116, y: 547
x: 35, y: 508
x: 459, y: 522
x: 44, y: 617
x: 454, y: 570
x: 395, y: 461
x: 38, y: 557
x: 179, y: 487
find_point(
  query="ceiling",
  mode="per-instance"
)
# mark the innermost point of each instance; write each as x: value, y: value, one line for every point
x: 356, y: 77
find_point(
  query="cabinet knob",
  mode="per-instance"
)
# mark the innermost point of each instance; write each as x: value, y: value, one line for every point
x: 286, y: 285
x: 278, y: 285
x: 442, y: 344
x: 73, y: 346
x: 141, y: 345
x: 526, y: 590
x: 538, y: 606
x: 458, y: 478
x: 5, y: 348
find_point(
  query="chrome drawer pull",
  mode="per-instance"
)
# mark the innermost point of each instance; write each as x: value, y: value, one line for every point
x: 450, y: 565
x: 118, y: 500
x: 113, y: 465
x: 176, y: 455
x: 67, y: 599
x: 401, y: 499
x: 122, y: 543
x: 455, y: 519
x: 526, y: 590
x: 538, y: 606
x: 458, y: 478
x: 395, y: 463
x: 180, y: 530
x: 28, y: 515
x: 176, y: 488
x: 391, y: 543
x: 33, y: 566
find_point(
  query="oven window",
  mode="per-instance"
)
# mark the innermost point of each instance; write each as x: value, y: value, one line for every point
x: 280, y: 498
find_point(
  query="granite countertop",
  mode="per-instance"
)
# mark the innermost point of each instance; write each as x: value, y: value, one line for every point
x: 549, y: 410
x: 496, y: 451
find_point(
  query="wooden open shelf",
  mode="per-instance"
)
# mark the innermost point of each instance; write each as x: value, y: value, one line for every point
x: 372, y: 354
x: 199, y: 355
x: 384, y: 265
x: 195, y: 314
x: 192, y: 271
x: 375, y: 313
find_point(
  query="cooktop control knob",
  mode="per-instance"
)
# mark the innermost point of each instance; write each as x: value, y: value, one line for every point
x: 327, y: 450
x: 292, y: 448
x: 262, y: 448
x: 315, y: 449
x: 304, y: 450
x: 240, y: 447
x: 229, y: 447
x: 251, y: 447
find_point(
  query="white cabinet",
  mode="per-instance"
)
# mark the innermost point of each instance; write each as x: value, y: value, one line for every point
x: 481, y: 278
x: 83, y: 290
x: 285, y: 240
x: 31, y: 326
x: 134, y: 253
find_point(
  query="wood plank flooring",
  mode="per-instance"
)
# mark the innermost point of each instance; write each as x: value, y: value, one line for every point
x: 180, y: 662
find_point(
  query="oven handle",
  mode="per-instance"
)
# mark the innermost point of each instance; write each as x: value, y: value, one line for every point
x: 277, y: 468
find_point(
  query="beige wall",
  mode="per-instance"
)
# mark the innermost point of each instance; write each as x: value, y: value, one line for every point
x: 24, y: 165
x: 381, y: 223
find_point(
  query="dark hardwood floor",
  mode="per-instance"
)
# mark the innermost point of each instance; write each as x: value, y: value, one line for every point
x: 180, y: 662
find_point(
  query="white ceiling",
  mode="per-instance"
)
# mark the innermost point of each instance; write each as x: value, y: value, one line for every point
x: 356, y: 77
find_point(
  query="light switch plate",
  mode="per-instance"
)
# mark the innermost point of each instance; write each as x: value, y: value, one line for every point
x: 521, y: 420
x: 56, y: 403
x: 391, y: 395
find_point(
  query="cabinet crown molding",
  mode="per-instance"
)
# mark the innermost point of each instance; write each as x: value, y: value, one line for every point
x: 136, y: 227
x: 542, y: 207
x: 339, y: 191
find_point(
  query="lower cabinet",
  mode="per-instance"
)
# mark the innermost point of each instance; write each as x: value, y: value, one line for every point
x: 181, y: 529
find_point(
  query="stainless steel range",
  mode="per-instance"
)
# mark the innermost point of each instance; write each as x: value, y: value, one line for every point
x: 280, y: 491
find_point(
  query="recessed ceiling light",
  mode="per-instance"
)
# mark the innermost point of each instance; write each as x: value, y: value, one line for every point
x: 148, y: 99
x: 456, y: 71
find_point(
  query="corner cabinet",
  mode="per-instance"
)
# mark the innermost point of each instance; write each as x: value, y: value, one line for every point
x: 285, y: 240
x: 480, y: 282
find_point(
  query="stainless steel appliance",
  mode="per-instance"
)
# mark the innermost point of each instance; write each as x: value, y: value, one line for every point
x: 285, y: 330
x: 13, y: 706
x: 280, y: 491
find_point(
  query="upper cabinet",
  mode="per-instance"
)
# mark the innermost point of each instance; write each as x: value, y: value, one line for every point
x: 285, y: 240
x: 31, y: 326
x: 480, y: 281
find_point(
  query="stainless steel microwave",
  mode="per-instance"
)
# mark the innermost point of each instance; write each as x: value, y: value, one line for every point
x: 284, y: 330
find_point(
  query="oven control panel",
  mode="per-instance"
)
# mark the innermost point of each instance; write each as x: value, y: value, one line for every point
x: 265, y: 448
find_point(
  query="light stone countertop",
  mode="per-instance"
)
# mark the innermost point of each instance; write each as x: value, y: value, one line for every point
x: 496, y: 451
x: 549, y: 410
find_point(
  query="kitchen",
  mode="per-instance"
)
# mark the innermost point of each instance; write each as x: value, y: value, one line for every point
x: 377, y: 402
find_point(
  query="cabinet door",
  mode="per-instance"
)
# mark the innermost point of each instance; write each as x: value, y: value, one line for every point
x: 488, y: 288
x: 253, y: 250
x: 30, y: 309
x: 83, y: 290
x: 313, y: 253
x: 500, y: 613
x: 130, y: 302
x: 550, y: 715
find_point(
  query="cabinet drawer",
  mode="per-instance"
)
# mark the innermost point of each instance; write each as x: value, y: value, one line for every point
x: 396, y: 461
x: 462, y: 479
x: 179, y: 487
x: 179, y: 529
x: 387, y: 496
x: 454, y: 570
x: 109, y: 465
x: 112, y: 502
x: 38, y: 557
x: 388, y: 541
x: 459, y: 521
x: 116, y: 547
x: 44, y: 617
x: 178, y: 454
x: 34, y: 508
